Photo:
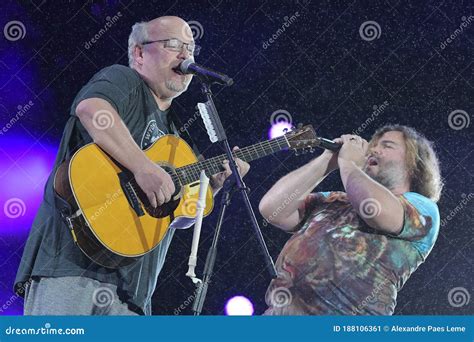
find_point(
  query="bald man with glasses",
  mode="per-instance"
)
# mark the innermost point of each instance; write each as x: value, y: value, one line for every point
x: 124, y: 110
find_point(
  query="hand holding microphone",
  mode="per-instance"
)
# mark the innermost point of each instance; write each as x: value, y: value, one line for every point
x: 354, y: 149
x: 347, y: 147
x: 331, y: 151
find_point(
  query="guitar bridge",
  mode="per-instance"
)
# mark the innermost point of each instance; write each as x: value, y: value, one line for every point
x: 130, y: 194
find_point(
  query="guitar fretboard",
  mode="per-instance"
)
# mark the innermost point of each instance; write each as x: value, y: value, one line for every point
x: 191, y: 173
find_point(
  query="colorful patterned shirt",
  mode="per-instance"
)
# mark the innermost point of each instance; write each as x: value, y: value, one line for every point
x: 335, y: 264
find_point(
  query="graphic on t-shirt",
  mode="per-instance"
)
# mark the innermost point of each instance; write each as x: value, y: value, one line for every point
x: 335, y: 264
x: 152, y: 133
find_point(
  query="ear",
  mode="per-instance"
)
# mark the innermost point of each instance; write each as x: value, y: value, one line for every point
x: 138, y: 54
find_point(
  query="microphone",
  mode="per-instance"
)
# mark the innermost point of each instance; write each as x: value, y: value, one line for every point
x: 328, y: 144
x: 189, y: 67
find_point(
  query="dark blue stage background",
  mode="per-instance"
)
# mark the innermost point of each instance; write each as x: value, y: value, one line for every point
x: 341, y: 66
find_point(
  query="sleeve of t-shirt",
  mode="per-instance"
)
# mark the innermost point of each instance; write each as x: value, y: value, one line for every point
x: 421, y: 221
x: 116, y: 84
x: 308, y: 205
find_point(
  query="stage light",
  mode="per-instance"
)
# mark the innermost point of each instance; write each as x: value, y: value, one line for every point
x: 24, y: 168
x: 239, y: 306
x: 279, y: 129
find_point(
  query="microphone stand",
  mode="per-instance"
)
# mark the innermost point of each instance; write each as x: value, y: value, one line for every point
x: 234, y: 182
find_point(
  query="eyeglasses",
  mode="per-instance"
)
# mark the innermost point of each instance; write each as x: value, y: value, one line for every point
x: 174, y: 44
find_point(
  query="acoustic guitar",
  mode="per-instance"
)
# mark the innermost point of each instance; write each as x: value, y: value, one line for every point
x: 113, y: 222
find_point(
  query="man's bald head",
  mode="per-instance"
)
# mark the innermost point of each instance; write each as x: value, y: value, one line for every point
x: 144, y: 31
x: 171, y: 24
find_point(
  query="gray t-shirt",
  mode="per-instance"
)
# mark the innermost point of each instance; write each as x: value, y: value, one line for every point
x: 50, y: 250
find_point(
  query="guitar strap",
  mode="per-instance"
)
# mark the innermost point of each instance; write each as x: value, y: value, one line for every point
x: 183, y: 131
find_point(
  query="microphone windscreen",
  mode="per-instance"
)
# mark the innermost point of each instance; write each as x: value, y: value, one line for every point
x: 185, y: 65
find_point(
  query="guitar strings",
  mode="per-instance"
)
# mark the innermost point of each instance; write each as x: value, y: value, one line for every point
x: 195, y: 168
x: 246, y: 152
x: 208, y: 165
x: 272, y: 146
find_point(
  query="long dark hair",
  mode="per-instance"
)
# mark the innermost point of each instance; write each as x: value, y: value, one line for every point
x: 422, y: 162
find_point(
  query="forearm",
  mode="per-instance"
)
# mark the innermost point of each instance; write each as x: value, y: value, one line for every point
x: 295, y: 186
x: 376, y: 204
x: 116, y: 140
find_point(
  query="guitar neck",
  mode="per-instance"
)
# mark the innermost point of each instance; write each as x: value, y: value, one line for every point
x: 191, y: 173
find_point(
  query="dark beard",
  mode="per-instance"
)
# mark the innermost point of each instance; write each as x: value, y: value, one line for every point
x: 390, y: 176
x: 382, y: 179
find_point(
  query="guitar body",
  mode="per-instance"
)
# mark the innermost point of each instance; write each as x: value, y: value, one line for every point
x: 117, y: 224
x: 113, y: 222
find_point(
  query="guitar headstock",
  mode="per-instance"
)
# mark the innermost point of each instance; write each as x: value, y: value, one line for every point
x: 303, y: 139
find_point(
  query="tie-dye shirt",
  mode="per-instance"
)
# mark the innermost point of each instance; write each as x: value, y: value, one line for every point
x: 335, y: 264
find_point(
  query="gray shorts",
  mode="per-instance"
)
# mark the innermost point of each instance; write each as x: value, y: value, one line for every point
x: 73, y: 296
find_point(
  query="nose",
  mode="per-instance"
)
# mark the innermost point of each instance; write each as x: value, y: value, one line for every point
x: 184, y: 54
x: 375, y: 151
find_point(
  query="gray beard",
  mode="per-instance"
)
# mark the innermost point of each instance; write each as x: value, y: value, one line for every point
x: 176, y: 87
x: 390, y: 176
